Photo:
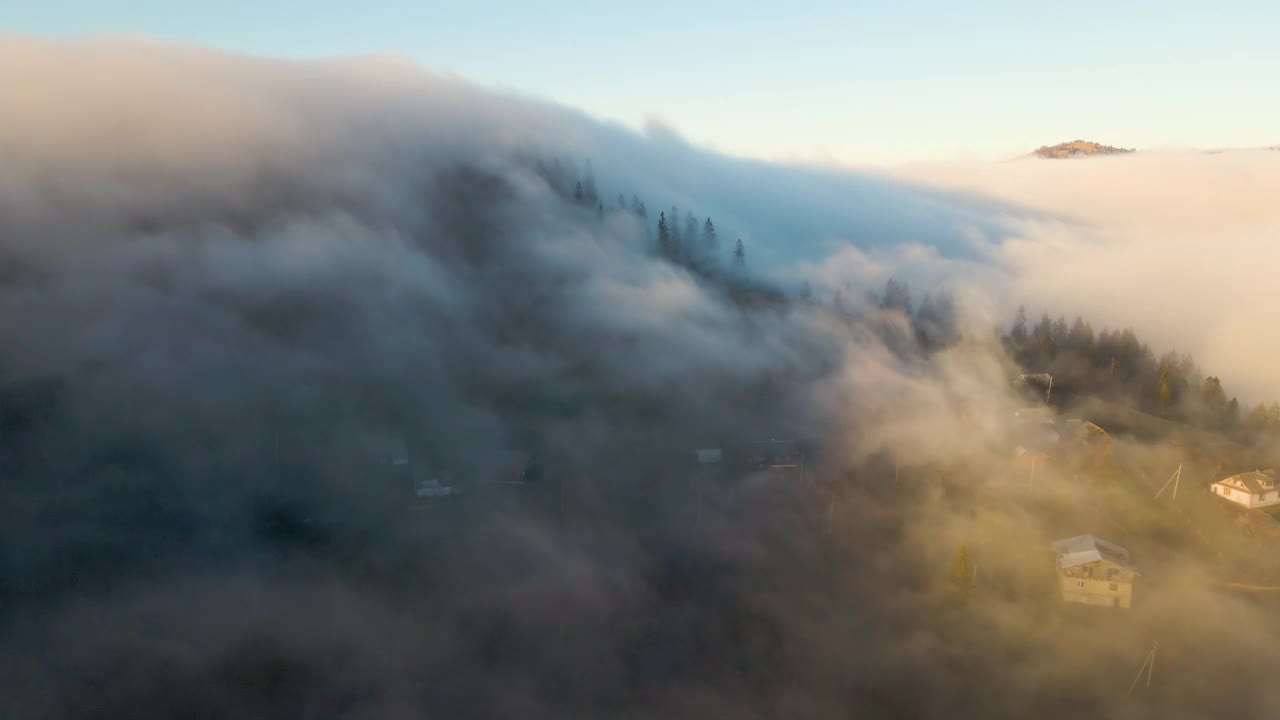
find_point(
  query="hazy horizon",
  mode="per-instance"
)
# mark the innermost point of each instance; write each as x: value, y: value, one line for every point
x: 869, y: 84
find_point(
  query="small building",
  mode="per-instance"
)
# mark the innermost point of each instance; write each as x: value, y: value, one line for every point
x: 1092, y: 571
x: 1253, y: 489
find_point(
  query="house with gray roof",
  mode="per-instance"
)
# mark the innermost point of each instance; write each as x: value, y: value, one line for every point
x: 1092, y: 571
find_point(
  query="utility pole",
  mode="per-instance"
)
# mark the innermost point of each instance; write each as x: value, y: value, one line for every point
x: 1176, y: 479
x: 1149, y: 665
x: 1040, y: 376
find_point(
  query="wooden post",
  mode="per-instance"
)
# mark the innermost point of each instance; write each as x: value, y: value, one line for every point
x: 1174, y: 478
x: 1152, y: 667
x: 1148, y: 665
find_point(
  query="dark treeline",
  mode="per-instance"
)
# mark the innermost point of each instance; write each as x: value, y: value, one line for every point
x: 676, y: 235
x: 1116, y: 365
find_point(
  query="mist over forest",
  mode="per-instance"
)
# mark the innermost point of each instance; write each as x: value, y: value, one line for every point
x: 248, y: 306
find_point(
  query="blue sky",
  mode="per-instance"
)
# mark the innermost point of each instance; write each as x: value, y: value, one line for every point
x: 862, y: 83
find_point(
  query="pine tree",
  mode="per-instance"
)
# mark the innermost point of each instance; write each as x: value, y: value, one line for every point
x: 1060, y: 332
x: 709, y: 241
x: 577, y: 193
x: 664, y: 236
x: 1165, y: 390
x: 897, y: 296
x: 642, y: 213
x: 1042, y: 339
x: 1213, y: 399
x: 1080, y: 339
x: 740, y: 256
x: 690, y: 233
x: 935, y: 320
x: 1018, y: 332
x: 1257, y: 420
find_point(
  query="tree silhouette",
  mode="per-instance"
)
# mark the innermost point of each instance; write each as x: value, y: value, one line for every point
x: 1018, y: 333
x: 664, y: 236
x: 1165, y: 390
x: 709, y: 240
x: 740, y: 256
x: 676, y: 240
x: 897, y: 296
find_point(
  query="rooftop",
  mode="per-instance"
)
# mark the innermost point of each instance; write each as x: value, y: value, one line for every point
x: 1083, y: 549
x: 1255, y: 481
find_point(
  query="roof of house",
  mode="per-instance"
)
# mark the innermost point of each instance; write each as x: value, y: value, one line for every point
x: 1256, y: 482
x: 1083, y: 549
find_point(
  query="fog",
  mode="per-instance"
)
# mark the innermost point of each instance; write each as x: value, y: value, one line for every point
x: 1177, y: 244
x: 231, y: 287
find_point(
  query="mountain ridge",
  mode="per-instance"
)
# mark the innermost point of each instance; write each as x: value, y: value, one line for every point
x: 1078, y: 149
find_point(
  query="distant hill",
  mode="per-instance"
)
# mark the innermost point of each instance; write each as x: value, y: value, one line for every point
x: 1077, y: 149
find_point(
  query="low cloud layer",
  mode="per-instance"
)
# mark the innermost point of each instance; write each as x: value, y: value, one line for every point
x: 1178, y: 245
x: 231, y: 289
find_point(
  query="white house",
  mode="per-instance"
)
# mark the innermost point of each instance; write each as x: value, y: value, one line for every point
x: 1252, y: 489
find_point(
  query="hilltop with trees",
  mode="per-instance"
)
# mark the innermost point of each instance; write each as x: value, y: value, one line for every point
x: 1078, y: 149
x: 1116, y: 366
